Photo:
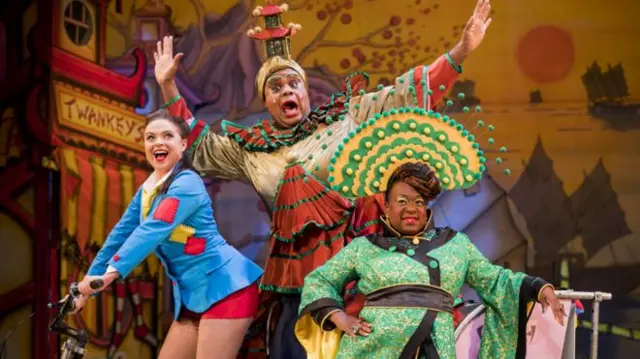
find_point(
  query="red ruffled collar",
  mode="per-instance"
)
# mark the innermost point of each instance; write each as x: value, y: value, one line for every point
x: 265, y: 137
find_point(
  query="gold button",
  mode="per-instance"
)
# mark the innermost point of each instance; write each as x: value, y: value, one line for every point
x: 416, y: 241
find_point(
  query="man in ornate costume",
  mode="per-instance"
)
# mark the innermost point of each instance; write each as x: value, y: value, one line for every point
x: 287, y: 158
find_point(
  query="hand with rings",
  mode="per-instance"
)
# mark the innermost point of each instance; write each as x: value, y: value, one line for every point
x: 351, y: 325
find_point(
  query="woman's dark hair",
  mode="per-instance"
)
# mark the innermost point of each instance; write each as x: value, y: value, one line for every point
x: 184, y: 163
x: 417, y: 175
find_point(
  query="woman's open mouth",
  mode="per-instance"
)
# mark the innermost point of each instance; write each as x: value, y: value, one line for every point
x: 410, y: 220
x: 160, y: 155
x: 290, y: 109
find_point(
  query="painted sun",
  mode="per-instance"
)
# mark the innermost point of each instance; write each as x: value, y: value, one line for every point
x: 546, y: 54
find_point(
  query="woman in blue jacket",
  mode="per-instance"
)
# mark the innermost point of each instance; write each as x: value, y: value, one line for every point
x: 214, y: 286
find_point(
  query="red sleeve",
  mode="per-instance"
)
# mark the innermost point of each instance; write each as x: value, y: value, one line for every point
x: 441, y: 72
x: 178, y: 107
x: 365, y: 217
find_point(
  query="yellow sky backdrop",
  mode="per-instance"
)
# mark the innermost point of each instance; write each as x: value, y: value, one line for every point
x: 605, y: 31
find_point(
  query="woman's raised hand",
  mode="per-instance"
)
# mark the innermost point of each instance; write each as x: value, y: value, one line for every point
x: 166, y: 64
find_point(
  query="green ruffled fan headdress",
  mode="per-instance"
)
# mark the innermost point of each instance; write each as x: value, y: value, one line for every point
x: 369, y: 155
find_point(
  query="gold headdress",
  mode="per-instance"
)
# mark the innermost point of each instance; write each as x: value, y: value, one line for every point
x: 371, y: 152
x: 277, y: 38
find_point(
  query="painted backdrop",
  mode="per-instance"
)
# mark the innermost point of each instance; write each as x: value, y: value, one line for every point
x: 560, y: 81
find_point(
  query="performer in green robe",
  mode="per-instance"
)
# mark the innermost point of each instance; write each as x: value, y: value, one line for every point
x: 410, y: 275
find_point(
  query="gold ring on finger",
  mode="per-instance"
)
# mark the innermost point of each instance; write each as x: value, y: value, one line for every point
x: 355, y: 329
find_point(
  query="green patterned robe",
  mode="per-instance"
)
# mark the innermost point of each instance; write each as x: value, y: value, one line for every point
x: 503, y: 292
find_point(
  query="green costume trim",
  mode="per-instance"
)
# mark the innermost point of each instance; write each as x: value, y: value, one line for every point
x: 302, y: 201
x: 425, y: 85
x: 172, y: 101
x: 365, y: 225
x: 374, y: 268
x: 271, y: 139
x: 315, y: 224
x: 195, y: 144
x: 264, y: 137
x: 371, y: 152
x: 412, y: 85
x: 453, y: 63
x: 310, y: 251
x: 281, y: 290
x: 315, y: 197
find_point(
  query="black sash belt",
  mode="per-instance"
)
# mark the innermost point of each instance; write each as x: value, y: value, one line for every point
x: 411, y: 296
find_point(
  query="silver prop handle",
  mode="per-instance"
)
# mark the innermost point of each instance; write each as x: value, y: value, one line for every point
x: 597, y: 297
x: 570, y: 294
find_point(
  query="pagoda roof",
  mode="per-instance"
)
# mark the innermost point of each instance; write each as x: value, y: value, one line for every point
x: 271, y: 33
x: 270, y: 9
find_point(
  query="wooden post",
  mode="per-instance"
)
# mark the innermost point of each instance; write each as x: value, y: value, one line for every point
x: 43, y: 210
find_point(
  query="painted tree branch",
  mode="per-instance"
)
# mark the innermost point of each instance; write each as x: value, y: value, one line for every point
x: 364, y: 40
x: 123, y: 27
x: 200, y: 12
x: 209, y: 44
x: 321, y: 71
x: 301, y: 5
x: 313, y: 45
x: 357, y: 68
x: 422, y: 61
x: 255, y: 106
x: 249, y: 4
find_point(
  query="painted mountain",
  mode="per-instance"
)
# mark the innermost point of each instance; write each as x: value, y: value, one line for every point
x: 554, y: 219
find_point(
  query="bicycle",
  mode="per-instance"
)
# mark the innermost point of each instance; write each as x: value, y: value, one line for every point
x: 75, y: 345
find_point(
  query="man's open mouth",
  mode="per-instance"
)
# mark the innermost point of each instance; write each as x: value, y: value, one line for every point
x: 290, y: 109
x: 160, y: 155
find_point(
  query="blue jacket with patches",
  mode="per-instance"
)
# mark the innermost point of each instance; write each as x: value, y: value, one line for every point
x: 179, y: 226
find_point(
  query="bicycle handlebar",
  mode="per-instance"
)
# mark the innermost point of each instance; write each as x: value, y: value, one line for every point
x: 67, y: 305
x: 94, y: 284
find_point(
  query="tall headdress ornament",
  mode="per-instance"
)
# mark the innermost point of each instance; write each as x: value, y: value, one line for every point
x: 277, y: 39
x: 368, y: 156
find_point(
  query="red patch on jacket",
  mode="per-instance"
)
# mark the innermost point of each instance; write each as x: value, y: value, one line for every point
x: 167, y: 210
x: 195, y: 246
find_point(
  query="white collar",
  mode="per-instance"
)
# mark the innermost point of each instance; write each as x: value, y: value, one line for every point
x: 147, y: 186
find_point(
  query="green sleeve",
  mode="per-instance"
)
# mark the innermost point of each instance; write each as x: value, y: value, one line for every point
x: 323, y: 289
x: 500, y: 290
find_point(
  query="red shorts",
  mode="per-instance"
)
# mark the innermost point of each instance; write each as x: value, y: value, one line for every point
x: 239, y: 305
